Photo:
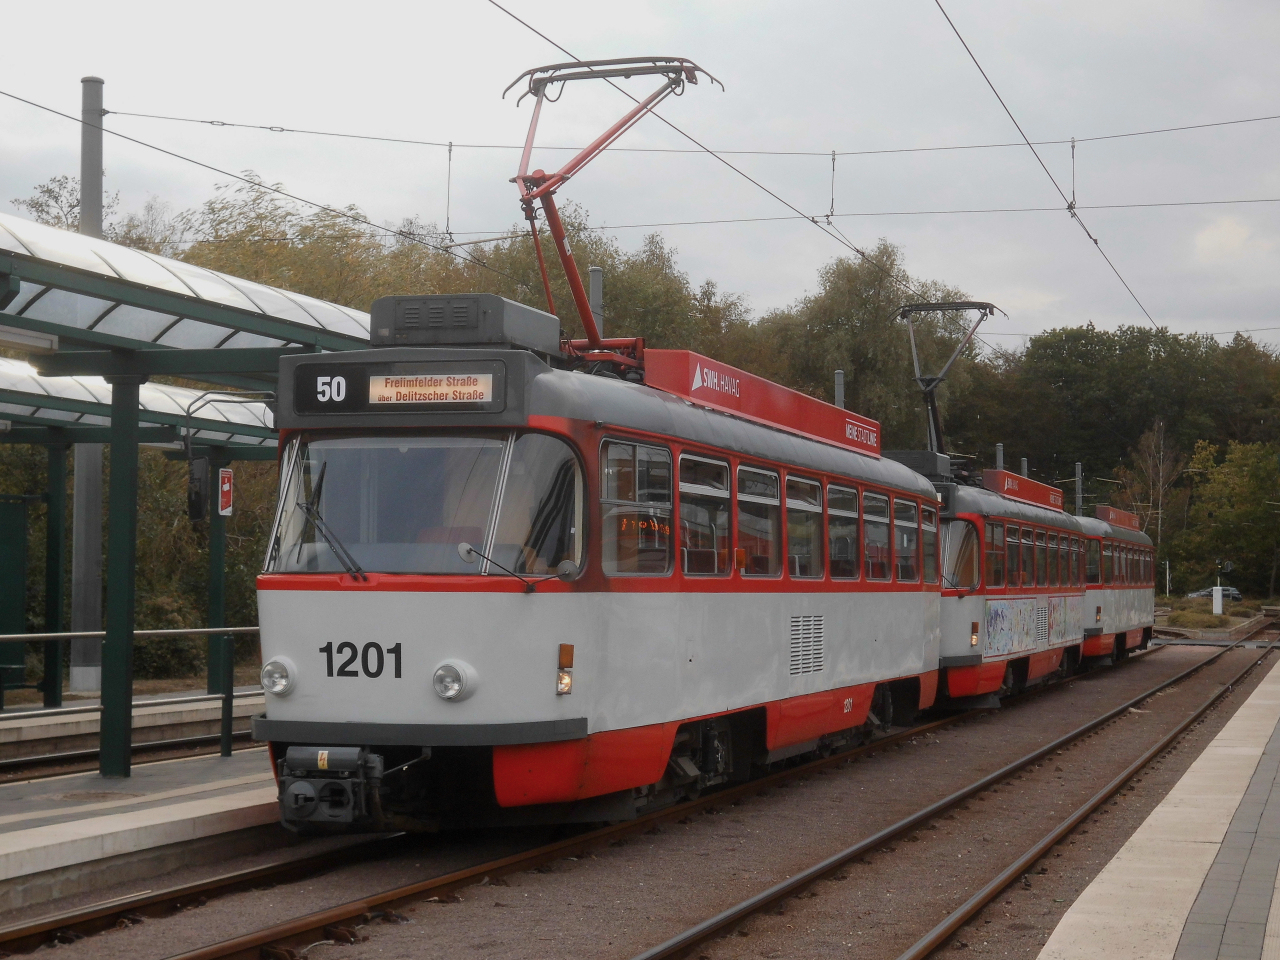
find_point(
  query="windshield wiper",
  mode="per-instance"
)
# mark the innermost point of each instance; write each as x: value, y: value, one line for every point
x: 566, y: 570
x: 341, y: 552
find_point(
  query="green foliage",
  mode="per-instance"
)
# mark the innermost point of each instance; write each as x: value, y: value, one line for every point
x: 1230, y: 517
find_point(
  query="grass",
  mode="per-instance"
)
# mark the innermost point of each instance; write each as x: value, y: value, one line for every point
x: 1245, y: 608
x: 1195, y: 620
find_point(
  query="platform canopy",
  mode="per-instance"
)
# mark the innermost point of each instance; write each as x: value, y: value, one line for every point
x: 28, y: 400
x: 92, y: 294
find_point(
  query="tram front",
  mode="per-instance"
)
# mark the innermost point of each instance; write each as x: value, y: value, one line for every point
x: 418, y: 508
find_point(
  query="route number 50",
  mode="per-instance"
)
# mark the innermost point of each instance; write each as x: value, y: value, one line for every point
x: 331, y: 388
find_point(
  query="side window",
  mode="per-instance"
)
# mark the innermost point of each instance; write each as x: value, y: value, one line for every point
x: 759, y: 523
x: 1042, y: 560
x: 1064, y: 560
x: 842, y: 532
x: 929, y: 543
x: 1093, y: 563
x: 704, y: 517
x: 875, y: 534
x: 1108, y: 564
x: 962, y: 571
x: 995, y: 554
x: 636, y: 509
x: 1028, y: 561
x: 1077, y: 572
x: 804, y: 527
x: 906, y: 540
x: 1012, y: 554
x: 1053, y: 559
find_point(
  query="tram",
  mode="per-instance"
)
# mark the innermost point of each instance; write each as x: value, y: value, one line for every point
x: 515, y: 577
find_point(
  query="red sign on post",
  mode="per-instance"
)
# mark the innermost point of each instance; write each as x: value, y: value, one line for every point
x: 1117, y: 517
x: 224, y: 491
x: 722, y: 387
x: 1017, y: 487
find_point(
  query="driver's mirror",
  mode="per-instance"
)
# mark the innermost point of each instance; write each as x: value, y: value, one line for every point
x: 467, y: 552
x: 567, y: 570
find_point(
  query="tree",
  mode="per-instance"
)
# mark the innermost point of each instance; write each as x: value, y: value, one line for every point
x: 1157, y: 466
x: 56, y: 203
x: 1233, y: 516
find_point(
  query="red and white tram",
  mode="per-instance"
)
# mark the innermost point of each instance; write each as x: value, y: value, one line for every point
x: 496, y: 583
x: 1030, y: 590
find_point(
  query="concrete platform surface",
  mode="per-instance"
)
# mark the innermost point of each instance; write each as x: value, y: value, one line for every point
x: 58, y: 822
x: 1197, y: 881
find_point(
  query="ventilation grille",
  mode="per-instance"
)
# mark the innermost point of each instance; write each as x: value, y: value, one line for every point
x: 806, y: 645
x: 1042, y: 624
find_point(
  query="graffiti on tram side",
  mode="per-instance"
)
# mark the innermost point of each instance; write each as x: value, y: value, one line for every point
x: 1011, y: 627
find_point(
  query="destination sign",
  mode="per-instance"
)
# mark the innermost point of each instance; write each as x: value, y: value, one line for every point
x: 1117, y: 517
x: 431, y: 388
x: 438, y: 386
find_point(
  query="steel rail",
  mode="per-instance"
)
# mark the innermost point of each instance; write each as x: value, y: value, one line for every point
x: 726, y: 919
x: 29, y: 935
x: 957, y: 918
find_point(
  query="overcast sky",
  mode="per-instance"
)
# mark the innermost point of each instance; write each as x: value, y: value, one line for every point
x: 810, y: 76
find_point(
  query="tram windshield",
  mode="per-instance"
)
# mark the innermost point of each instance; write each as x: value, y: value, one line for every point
x: 402, y: 504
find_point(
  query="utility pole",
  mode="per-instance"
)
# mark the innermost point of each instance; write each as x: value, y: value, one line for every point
x: 1079, y: 489
x: 840, y: 389
x: 999, y: 456
x: 86, y: 522
x: 1024, y: 467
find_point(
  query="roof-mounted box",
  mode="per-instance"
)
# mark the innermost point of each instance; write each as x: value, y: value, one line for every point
x: 466, y: 320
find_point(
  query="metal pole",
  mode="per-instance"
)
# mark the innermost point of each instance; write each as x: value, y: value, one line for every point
x: 999, y: 456
x: 1079, y: 489
x: 595, y: 278
x: 91, y: 156
x: 54, y: 571
x: 1024, y: 467
x: 217, y: 584
x: 122, y: 527
x: 840, y: 389
x: 86, y: 516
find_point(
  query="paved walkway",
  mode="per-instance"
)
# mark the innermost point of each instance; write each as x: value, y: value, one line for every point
x: 1197, y: 881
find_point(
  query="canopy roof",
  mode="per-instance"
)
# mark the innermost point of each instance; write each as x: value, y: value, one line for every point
x: 91, y: 292
x: 28, y: 398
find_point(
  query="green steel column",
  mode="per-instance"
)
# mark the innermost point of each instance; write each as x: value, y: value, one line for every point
x: 122, y: 528
x: 218, y: 643
x: 55, y: 571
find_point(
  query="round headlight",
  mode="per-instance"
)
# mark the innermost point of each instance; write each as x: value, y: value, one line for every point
x: 449, y: 681
x: 278, y: 676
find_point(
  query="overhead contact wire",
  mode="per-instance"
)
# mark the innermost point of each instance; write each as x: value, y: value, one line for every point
x: 276, y: 190
x: 1071, y: 206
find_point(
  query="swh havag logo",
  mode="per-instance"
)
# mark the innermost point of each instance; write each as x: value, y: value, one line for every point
x: 714, y: 380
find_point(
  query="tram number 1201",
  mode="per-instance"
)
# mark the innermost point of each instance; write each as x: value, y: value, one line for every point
x: 373, y: 659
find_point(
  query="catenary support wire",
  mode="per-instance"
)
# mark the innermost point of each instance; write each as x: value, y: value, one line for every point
x: 1071, y: 209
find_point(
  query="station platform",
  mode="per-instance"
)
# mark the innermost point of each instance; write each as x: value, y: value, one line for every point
x: 1198, y: 879
x: 31, y: 731
x: 63, y: 835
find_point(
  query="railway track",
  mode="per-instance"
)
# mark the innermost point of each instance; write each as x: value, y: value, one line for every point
x: 711, y: 928
x: 284, y: 941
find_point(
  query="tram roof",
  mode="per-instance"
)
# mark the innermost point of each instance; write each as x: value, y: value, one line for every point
x: 92, y: 292
x: 1100, y: 528
x: 28, y: 398
x: 988, y: 503
x: 634, y: 406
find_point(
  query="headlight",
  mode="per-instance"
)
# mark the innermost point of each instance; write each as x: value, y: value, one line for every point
x: 454, y: 680
x: 278, y: 676
x: 449, y: 681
